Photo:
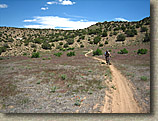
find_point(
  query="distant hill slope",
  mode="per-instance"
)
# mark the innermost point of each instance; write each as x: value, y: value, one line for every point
x: 19, y: 41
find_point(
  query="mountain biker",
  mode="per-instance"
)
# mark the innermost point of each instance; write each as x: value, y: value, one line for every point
x: 107, y: 56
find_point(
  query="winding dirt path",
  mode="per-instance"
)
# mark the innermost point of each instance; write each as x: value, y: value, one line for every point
x: 118, y: 99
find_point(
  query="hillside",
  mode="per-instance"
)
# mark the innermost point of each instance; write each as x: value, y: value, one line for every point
x: 23, y: 41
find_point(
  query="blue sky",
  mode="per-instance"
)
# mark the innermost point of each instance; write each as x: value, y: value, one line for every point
x: 69, y: 14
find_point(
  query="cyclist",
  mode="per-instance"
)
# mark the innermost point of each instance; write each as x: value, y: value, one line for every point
x: 107, y: 56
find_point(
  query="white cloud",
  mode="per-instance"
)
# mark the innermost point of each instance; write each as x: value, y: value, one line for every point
x: 120, y: 19
x: 58, y: 22
x: 67, y: 2
x: 44, y: 8
x: 73, y: 16
x: 61, y: 2
x: 3, y: 6
x: 53, y: 2
x: 33, y: 20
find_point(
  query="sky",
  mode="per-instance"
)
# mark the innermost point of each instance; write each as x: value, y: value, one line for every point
x: 69, y: 14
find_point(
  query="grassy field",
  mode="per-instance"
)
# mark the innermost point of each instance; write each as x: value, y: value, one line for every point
x: 52, y: 84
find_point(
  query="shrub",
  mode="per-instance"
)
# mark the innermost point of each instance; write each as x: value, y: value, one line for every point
x: 78, y: 40
x: 53, y: 89
x: 58, y: 47
x: 53, y: 45
x: 123, y: 28
x: 63, y: 49
x: 97, y: 52
x: 131, y: 33
x: 78, y: 101
x: 34, y: 50
x: 121, y: 37
x: 46, y: 46
x: 63, y: 77
x: 2, y: 49
x: 33, y: 46
x: 115, y: 33
x: 38, y: 40
x: 123, y: 51
x: 143, y: 78
x: 60, y: 43
x: 26, y: 43
x: 66, y: 45
x: 82, y: 37
x: 6, y: 45
x: 104, y: 34
x: 97, y: 40
x: 134, y: 31
x: 35, y: 55
x: 100, y: 45
x: 0, y: 34
x: 58, y: 54
x: 143, y: 29
x: 146, y: 38
x: 70, y: 41
x: 116, y: 28
x: 137, y: 25
x: 91, y: 42
x: 142, y: 51
x: 111, y: 33
x: 10, y: 40
x: 38, y: 82
x: 1, y: 40
x: 2, y: 58
x: 71, y: 54
x: 82, y: 46
x: 24, y: 54
x: 106, y: 42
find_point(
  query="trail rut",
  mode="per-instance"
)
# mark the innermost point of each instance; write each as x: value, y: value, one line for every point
x: 118, y: 99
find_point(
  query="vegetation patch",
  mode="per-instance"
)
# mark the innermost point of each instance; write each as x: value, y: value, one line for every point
x: 2, y: 49
x: 35, y: 55
x: 78, y: 101
x: 121, y: 37
x: 97, y: 40
x: 106, y: 42
x: 53, y: 89
x: 97, y: 52
x: 58, y: 54
x: 144, y: 29
x: 63, y: 76
x: 71, y: 54
x: 113, y: 87
x: 101, y: 45
x: 143, y: 78
x: 123, y: 51
x: 46, y: 46
x: 131, y: 33
x: 82, y: 46
x: 146, y: 38
x: 142, y: 51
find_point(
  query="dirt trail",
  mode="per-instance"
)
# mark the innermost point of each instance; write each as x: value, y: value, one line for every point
x: 118, y: 99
